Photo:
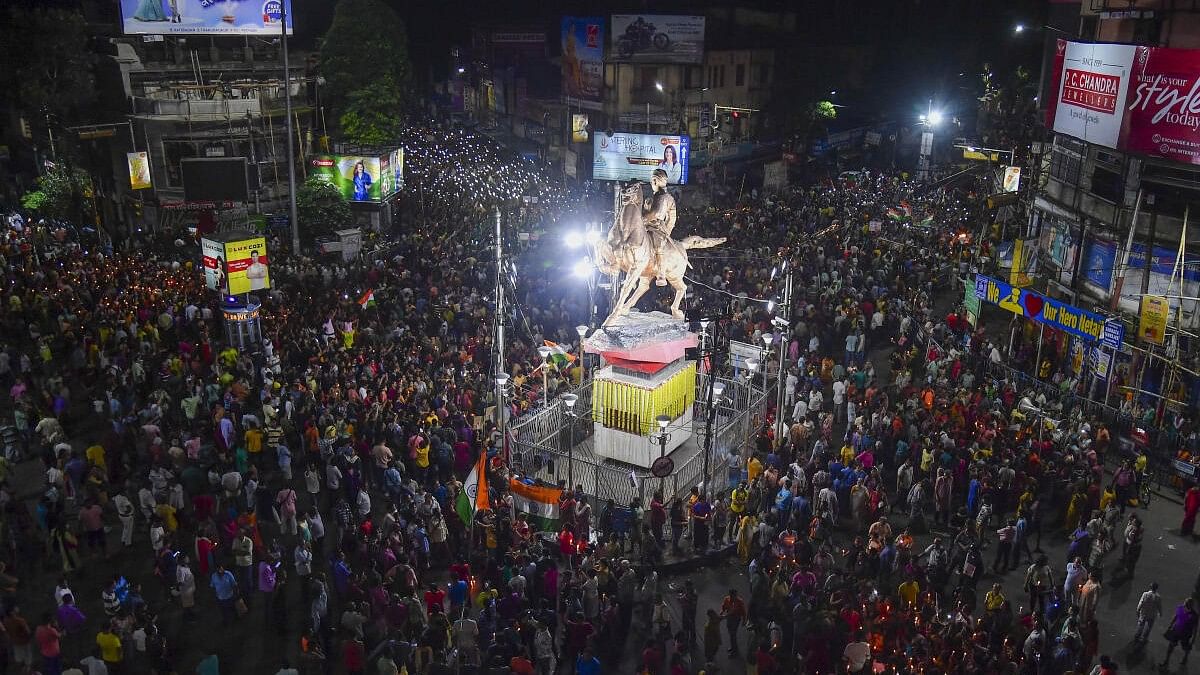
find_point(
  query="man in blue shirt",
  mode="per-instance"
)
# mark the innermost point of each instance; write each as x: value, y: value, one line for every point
x: 225, y: 587
x: 587, y: 664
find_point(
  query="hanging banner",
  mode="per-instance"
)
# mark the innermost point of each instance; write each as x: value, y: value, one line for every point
x: 1152, y: 319
x: 971, y: 303
x: 1058, y: 315
x: 579, y: 128
x: 1024, y: 257
x: 1101, y: 362
x: 1012, y: 179
x: 1099, y: 256
x: 139, y: 170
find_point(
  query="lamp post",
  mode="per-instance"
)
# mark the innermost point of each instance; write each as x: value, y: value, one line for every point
x: 569, y: 400
x: 752, y: 367
x: 663, y: 436
x: 582, y: 331
x: 502, y: 408
x: 544, y: 352
x: 703, y: 340
x: 715, y: 390
x: 767, y: 339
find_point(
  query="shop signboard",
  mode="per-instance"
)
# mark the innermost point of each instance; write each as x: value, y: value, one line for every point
x: 1152, y: 319
x: 1053, y: 313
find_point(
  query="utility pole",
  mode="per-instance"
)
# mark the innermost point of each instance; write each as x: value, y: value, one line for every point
x: 500, y: 311
x: 291, y: 149
x: 784, y: 333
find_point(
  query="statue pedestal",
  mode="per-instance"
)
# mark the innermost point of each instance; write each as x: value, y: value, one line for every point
x: 646, y: 376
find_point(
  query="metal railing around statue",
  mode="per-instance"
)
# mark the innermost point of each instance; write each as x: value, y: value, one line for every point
x: 541, y: 441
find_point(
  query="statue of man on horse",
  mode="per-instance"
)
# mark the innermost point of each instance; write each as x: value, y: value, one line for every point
x: 640, y: 245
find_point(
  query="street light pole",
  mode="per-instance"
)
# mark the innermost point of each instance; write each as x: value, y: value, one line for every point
x: 569, y: 400
x: 544, y: 352
x: 783, y: 340
x: 291, y: 149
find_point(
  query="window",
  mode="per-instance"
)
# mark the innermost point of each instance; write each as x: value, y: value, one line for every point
x: 764, y: 75
x: 1066, y: 160
x: 721, y: 77
x: 1107, y: 184
x: 739, y: 75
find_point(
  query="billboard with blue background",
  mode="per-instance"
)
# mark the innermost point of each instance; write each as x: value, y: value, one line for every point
x: 205, y: 17
x: 1098, y: 259
x: 1081, y: 323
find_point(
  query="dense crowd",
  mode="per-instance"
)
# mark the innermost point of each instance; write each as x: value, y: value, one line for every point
x: 310, y: 489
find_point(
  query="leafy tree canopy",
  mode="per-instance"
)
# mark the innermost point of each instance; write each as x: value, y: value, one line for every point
x: 372, y: 115
x: 59, y: 194
x: 321, y: 209
x: 45, y: 63
x: 367, y: 42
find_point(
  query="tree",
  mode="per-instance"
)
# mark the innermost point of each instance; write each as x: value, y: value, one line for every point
x: 60, y: 194
x: 321, y: 209
x: 367, y: 43
x: 45, y: 64
x: 371, y: 115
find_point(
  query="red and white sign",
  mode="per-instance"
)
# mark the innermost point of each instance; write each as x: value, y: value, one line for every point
x: 1092, y: 83
x: 1162, y: 116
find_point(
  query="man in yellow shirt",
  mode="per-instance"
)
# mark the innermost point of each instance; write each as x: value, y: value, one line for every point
x: 754, y: 468
x: 908, y: 592
x: 994, y: 599
x: 95, y: 455
x: 254, y: 444
x: 110, y: 647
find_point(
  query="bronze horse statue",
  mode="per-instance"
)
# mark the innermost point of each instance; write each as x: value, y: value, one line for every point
x: 631, y: 247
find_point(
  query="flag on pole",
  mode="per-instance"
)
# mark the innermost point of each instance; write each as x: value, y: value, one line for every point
x: 539, y: 502
x: 474, y: 495
x: 558, y: 355
x: 367, y: 299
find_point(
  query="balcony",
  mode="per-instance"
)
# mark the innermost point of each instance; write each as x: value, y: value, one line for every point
x: 197, y: 110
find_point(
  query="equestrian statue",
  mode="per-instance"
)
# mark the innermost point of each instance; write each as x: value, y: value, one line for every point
x: 640, y: 245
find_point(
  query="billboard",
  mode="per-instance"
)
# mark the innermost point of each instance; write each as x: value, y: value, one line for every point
x: 1093, y: 81
x: 579, y: 128
x: 356, y: 177
x: 235, y: 267
x: 1161, y: 115
x: 1136, y: 99
x: 1056, y: 314
x: 139, y: 170
x: 1012, y: 179
x: 583, y: 58
x: 1098, y: 259
x: 622, y: 156
x: 1152, y: 319
x: 215, y: 179
x: 391, y: 173
x: 657, y: 38
x: 205, y: 17
x: 212, y: 261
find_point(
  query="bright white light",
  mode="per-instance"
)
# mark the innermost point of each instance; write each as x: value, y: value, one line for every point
x: 921, y: 117
x: 658, y: 86
x: 935, y: 118
x: 1019, y: 28
x: 592, y: 237
x: 461, y: 71
x: 582, y: 268
x: 574, y: 239
x: 771, y: 306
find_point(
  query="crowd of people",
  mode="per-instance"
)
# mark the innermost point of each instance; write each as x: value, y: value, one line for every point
x: 310, y: 491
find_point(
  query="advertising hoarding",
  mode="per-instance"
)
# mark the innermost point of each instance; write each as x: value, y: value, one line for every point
x: 237, y: 266
x: 579, y: 128
x: 657, y: 38
x: 1098, y: 259
x: 622, y: 156
x: 212, y: 254
x: 1059, y: 315
x: 139, y: 170
x: 246, y: 267
x: 1162, y: 116
x: 1012, y: 179
x: 583, y: 57
x: 1093, y: 82
x: 1152, y: 319
x: 215, y: 179
x: 356, y: 177
x: 391, y: 173
x: 205, y: 17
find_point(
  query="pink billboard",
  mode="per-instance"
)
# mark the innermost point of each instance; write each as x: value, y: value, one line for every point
x: 1162, y: 115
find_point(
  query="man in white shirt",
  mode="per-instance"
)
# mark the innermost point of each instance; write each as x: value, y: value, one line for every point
x: 857, y: 654
x: 839, y: 397
x: 1149, y: 608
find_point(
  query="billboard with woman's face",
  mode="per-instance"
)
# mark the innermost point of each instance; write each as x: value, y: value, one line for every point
x: 622, y: 156
x: 357, y: 178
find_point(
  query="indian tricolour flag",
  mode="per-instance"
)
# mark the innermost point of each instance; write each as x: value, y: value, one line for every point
x: 539, y: 503
x: 558, y: 355
x: 474, y: 495
x: 367, y: 299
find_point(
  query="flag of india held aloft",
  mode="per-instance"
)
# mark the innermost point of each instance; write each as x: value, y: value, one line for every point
x: 474, y: 495
x: 558, y: 355
x: 538, y: 502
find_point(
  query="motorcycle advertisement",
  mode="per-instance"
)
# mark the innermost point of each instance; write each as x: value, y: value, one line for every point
x: 657, y: 38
